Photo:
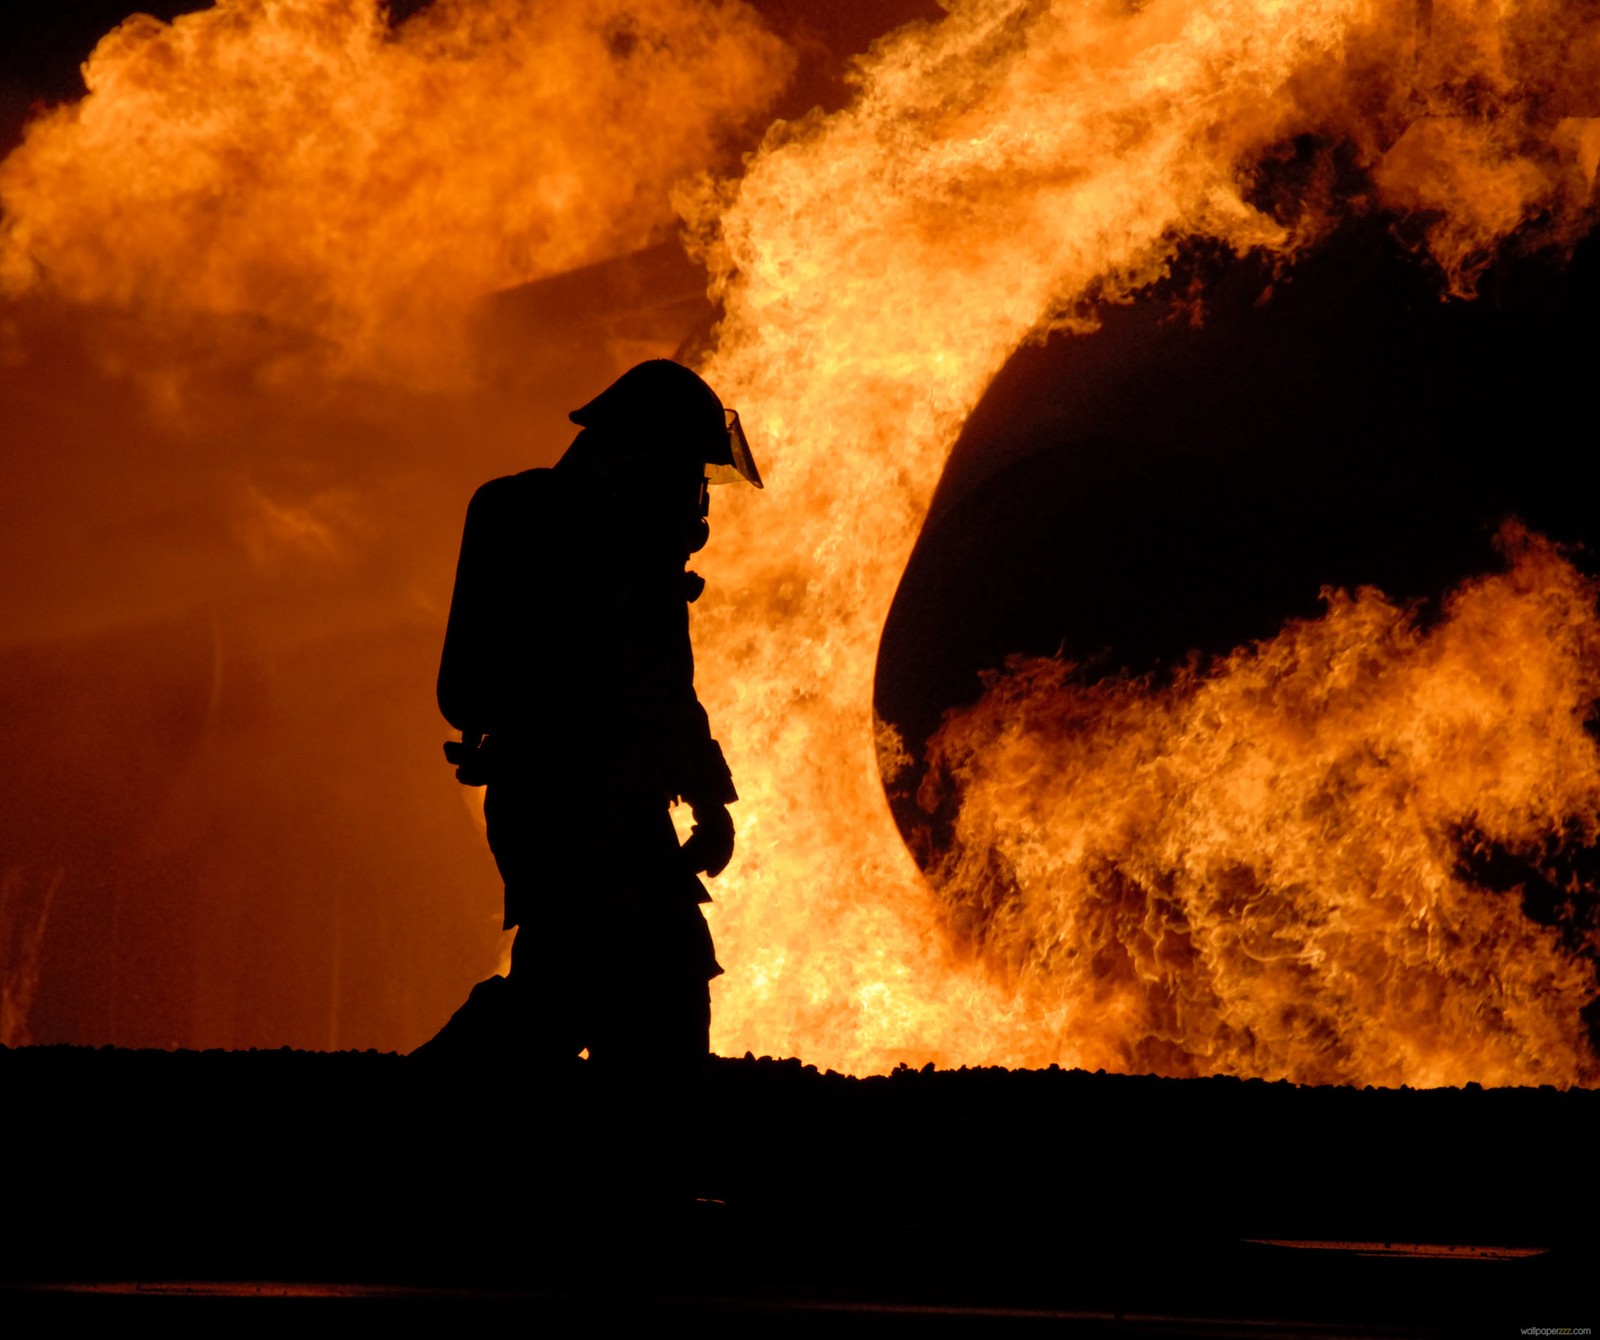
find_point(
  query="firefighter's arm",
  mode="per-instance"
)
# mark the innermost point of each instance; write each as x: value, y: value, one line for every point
x: 696, y: 771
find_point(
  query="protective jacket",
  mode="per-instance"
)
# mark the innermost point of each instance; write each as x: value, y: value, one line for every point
x: 568, y: 647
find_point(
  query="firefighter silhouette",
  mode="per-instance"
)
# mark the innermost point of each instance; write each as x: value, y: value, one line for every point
x: 567, y: 668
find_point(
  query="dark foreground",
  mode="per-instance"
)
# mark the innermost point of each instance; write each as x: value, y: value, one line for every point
x: 295, y: 1183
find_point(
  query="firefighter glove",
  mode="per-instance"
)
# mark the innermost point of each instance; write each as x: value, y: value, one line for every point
x: 471, y: 758
x: 710, y: 845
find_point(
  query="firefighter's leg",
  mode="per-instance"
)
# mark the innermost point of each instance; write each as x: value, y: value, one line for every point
x: 550, y: 993
x: 650, y: 1051
x: 550, y: 971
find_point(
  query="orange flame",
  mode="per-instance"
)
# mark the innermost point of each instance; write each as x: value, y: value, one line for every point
x: 1257, y: 871
x: 998, y: 172
x: 301, y: 161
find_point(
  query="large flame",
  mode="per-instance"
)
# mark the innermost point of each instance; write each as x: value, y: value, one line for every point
x: 1258, y: 870
x: 998, y: 171
x: 305, y: 162
x: 308, y: 166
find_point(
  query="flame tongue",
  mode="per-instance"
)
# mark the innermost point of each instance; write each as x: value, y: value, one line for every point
x: 1258, y: 870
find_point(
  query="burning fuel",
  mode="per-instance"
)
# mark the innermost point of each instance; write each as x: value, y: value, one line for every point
x: 1249, y: 870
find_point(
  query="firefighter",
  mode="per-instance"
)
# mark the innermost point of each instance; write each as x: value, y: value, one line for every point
x: 567, y: 668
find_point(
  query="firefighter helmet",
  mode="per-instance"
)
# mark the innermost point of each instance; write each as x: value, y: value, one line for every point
x: 664, y: 400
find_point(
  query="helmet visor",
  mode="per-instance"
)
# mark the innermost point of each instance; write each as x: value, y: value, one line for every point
x: 743, y: 464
